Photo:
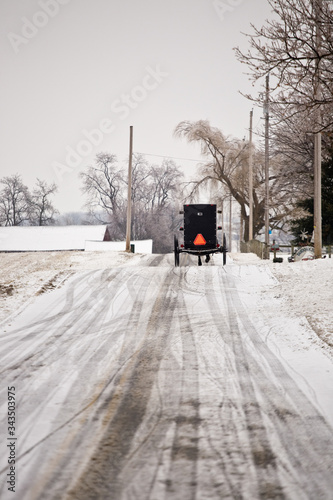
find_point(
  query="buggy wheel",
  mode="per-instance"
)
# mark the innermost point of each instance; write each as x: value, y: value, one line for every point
x: 176, y: 250
x: 224, y: 250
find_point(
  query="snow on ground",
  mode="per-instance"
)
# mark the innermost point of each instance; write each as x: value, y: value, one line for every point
x: 25, y: 275
x: 308, y: 290
x: 304, y: 289
x: 300, y: 289
x: 291, y: 305
x: 288, y: 306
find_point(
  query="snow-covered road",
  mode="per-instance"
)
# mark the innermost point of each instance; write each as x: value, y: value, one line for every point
x: 152, y: 382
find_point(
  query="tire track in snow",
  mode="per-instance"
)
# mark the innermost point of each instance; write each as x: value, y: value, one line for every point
x: 304, y: 440
x: 78, y: 363
x: 40, y: 329
x: 54, y: 340
x: 35, y: 357
x: 182, y: 477
x: 162, y: 459
x: 263, y: 456
x: 172, y: 395
x: 127, y: 351
x: 287, y: 436
x: 229, y: 460
x: 126, y: 407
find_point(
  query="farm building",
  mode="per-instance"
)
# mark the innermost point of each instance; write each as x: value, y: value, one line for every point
x: 48, y: 238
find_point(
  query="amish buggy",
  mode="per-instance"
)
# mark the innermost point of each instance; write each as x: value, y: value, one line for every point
x: 200, y: 233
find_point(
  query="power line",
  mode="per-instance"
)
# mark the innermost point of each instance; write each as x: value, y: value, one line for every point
x: 171, y: 157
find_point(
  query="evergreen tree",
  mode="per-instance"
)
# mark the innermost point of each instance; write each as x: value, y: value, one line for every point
x: 305, y: 224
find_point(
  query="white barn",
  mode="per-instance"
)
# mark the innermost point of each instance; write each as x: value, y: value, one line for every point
x: 48, y: 238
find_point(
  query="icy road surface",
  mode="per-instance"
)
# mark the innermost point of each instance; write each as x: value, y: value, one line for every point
x: 153, y: 382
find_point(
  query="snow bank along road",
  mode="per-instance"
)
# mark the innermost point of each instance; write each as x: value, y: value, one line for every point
x: 152, y: 382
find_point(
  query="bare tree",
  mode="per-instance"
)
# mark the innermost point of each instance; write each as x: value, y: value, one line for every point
x: 140, y: 196
x: 14, y: 201
x: 225, y: 167
x: 165, y: 196
x: 164, y: 183
x: 140, y: 179
x: 154, y: 190
x: 74, y: 219
x: 103, y: 184
x: 296, y: 49
x: 41, y: 209
x: 293, y: 146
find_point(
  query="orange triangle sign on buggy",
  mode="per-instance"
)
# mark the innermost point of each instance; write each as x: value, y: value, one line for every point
x: 199, y: 240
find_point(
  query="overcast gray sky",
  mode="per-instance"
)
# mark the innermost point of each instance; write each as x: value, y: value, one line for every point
x: 77, y: 73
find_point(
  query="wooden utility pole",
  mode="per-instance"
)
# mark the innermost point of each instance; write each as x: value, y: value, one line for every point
x: 241, y: 218
x: 317, y: 223
x: 266, y: 112
x: 222, y: 215
x: 230, y: 223
x: 129, y: 193
x: 250, y: 181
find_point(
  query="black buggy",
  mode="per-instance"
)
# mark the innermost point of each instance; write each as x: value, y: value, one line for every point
x: 200, y: 233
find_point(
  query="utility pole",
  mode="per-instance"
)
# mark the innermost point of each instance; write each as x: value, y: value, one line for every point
x: 221, y: 210
x: 129, y: 193
x: 250, y: 181
x: 241, y: 218
x: 317, y: 226
x: 266, y: 113
x: 230, y: 223
x: 317, y: 215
